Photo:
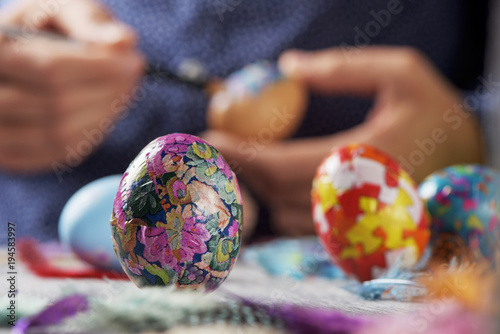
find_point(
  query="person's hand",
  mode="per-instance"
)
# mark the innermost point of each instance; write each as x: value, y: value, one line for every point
x: 55, y: 95
x: 417, y: 117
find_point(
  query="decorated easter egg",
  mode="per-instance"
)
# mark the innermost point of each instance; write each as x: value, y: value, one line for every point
x: 84, y: 223
x: 258, y: 101
x: 177, y: 216
x: 464, y: 202
x: 367, y: 211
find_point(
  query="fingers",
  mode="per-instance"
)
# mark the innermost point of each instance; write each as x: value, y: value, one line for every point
x: 19, y: 105
x: 13, y: 14
x: 23, y: 137
x: 277, y: 176
x: 87, y: 110
x: 51, y: 65
x: 82, y: 20
x: 232, y: 149
x: 24, y: 122
x: 51, y: 91
x: 28, y: 146
x: 89, y: 21
x: 24, y: 144
x: 364, y: 72
x: 66, y: 110
x: 274, y: 170
x: 28, y: 159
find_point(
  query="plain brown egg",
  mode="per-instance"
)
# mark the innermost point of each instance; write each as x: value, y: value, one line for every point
x: 279, y: 107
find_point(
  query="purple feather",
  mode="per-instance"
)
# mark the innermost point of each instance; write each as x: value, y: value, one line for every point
x: 302, y: 320
x: 54, y: 314
x: 305, y: 320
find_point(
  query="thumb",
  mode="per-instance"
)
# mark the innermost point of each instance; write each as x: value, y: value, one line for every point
x: 229, y: 145
x: 247, y: 156
x: 363, y: 72
x: 88, y: 21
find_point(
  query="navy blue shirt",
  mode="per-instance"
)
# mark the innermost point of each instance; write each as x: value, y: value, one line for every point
x: 228, y: 34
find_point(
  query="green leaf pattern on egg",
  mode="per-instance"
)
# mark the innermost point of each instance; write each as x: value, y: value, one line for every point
x: 177, y: 216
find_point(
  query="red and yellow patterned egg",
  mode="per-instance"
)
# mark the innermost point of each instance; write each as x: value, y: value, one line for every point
x: 367, y: 211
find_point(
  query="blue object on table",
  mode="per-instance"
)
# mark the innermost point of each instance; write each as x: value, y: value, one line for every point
x: 391, y: 289
x: 84, y: 223
x: 293, y: 258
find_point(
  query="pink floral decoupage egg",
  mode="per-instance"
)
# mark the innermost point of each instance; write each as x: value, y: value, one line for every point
x: 177, y: 216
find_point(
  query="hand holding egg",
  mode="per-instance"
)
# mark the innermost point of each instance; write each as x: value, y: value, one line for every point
x: 257, y: 98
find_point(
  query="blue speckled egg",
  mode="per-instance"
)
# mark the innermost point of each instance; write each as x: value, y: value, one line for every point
x: 464, y: 201
x: 84, y: 223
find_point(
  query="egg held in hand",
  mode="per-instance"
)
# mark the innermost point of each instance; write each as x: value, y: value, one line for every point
x: 177, y: 216
x: 367, y: 211
x: 464, y: 203
x: 258, y: 101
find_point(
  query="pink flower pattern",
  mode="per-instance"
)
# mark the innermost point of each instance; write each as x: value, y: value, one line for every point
x: 178, y: 244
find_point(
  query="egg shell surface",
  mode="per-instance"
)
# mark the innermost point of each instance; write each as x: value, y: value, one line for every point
x: 367, y: 212
x: 84, y: 223
x: 258, y: 100
x: 464, y: 201
x: 177, y: 216
x: 252, y: 79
